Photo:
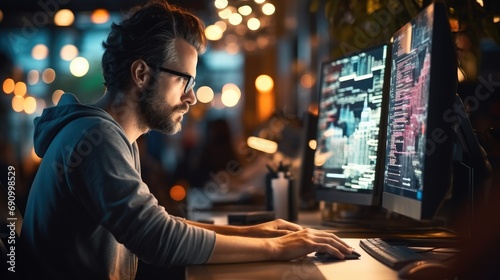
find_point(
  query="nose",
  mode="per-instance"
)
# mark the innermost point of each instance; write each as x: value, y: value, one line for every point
x: 190, y: 97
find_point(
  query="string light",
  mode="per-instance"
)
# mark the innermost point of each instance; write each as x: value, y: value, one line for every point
x: 250, y: 21
x: 245, y: 10
x: 268, y: 9
x: 253, y: 24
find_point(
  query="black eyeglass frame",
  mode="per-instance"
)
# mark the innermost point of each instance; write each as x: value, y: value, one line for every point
x: 190, y: 83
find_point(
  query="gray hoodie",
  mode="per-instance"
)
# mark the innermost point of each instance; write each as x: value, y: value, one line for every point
x: 89, y: 214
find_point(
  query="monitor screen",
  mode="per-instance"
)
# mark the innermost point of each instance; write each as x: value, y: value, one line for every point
x: 351, y: 103
x: 418, y: 158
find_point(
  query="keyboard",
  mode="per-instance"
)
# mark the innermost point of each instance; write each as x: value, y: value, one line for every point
x: 393, y: 256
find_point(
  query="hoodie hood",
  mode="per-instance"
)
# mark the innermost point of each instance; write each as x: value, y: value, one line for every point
x: 53, y: 119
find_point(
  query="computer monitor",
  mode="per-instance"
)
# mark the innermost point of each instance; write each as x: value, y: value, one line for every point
x: 351, y: 98
x: 418, y: 158
x: 307, y: 195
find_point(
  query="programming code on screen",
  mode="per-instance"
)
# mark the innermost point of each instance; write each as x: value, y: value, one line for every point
x: 348, y: 121
x: 409, y: 89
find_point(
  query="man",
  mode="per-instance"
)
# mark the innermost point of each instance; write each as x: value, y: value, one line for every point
x: 89, y: 215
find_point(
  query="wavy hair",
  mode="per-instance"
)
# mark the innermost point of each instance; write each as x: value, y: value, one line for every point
x: 148, y: 32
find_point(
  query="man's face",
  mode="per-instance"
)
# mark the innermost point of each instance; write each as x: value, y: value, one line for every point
x: 165, y: 102
x: 158, y: 114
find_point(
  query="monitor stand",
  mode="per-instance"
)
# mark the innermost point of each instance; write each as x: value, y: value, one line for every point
x: 450, y: 227
x: 359, y: 221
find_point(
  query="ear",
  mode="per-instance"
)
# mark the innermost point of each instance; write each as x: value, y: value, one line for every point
x: 140, y: 73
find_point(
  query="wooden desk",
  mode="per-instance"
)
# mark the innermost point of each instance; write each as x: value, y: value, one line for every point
x: 366, y: 267
x: 309, y: 268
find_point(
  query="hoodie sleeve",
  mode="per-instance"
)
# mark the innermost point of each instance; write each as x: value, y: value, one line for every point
x: 110, y: 187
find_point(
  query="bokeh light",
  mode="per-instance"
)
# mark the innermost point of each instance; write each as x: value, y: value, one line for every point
x: 245, y: 10
x: 69, y: 52
x: 222, y: 25
x: 320, y: 158
x: 177, y: 193
x: 307, y: 80
x: 20, y: 89
x: 312, y: 144
x: 213, y: 32
x: 225, y: 14
x: 48, y: 75
x: 33, y: 77
x: 268, y: 9
x: 8, y: 85
x: 56, y: 95
x: 235, y: 19
x: 205, y: 94
x: 231, y: 95
x: 40, y: 51
x: 99, y: 16
x: 64, y: 17
x: 79, y: 66
x: 264, y: 83
x: 261, y: 144
x: 221, y: 4
x: 29, y: 105
x: 18, y: 103
x: 253, y: 24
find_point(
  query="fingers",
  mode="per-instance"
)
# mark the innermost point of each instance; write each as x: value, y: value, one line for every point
x: 303, y: 242
x: 341, y: 242
x: 331, y: 243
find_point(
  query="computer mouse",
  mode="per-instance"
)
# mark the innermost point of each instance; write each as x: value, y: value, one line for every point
x: 327, y: 257
x: 425, y: 270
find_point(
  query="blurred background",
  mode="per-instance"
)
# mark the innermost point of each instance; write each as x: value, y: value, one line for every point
x: 257, y: 81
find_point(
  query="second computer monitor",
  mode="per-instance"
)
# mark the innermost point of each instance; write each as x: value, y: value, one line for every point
x: 418, y: 162
x: 351, y: 106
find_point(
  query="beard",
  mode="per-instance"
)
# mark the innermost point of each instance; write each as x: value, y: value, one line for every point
x: 157, y: 114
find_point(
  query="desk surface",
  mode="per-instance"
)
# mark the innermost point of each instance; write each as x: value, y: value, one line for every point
x: 365, y: 267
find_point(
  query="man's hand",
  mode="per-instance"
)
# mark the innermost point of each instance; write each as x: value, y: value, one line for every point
x: 297, y: 244
x: 303, y: 242
x: 274, y: 228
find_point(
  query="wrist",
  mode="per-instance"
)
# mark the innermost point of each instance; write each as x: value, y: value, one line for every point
x: 273, y: 248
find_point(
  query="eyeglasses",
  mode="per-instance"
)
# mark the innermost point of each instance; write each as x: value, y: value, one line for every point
x: 190, y: 79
